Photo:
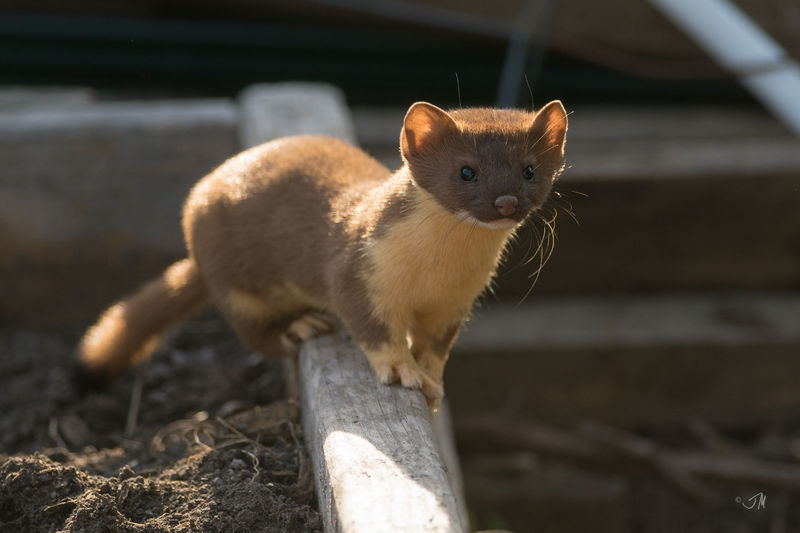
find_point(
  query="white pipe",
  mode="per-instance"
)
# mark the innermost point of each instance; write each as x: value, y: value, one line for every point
x: 739, y: 45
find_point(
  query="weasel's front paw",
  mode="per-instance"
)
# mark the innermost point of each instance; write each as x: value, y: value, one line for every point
x: 412, y: 376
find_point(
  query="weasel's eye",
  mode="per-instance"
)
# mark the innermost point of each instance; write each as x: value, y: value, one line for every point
x: 467, y: 174
x: 527, y: 173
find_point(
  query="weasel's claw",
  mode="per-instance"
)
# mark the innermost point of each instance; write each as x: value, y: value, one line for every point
x: 412, y: 377
x: 304, y: 328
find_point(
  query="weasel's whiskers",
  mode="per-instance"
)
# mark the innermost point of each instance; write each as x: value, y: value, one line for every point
x: 517, y: 237
x: 544, y: 251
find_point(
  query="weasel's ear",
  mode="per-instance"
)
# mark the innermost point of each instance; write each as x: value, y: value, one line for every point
x: 423, y: 126
x: 549, y: 129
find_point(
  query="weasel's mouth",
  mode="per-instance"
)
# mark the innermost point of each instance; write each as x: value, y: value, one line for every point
x: 498, y: 223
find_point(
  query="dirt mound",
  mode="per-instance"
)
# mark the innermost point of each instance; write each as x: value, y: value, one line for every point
x: 214, y: 447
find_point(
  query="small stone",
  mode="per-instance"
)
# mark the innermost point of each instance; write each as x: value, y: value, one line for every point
x: 74, y: 431
x: 126, y: 472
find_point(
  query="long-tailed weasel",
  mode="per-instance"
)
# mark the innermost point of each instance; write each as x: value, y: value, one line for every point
x: 286, y: 234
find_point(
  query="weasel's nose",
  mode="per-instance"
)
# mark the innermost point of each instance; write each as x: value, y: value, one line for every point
x: 506, y: 204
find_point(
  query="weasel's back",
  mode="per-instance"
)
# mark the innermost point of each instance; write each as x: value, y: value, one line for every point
x: 319, y: 161
x: 276, y: 196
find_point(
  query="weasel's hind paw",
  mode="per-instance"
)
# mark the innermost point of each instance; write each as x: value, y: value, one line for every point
x: 412, y: 377
x: 304, y: 328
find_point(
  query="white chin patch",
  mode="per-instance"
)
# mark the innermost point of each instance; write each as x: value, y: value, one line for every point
x: 500, y: 223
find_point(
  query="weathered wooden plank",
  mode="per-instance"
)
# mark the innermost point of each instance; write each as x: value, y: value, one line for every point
x: 603, y: 322
x: 730, y: 359
x: 91, y: 193
x: 19, y: 98
x: 686, y: 157
x: 90, y: 199
x: 372, y: 446
x: 119, y: 168
x: 735, y: 387
x: 654, y: 235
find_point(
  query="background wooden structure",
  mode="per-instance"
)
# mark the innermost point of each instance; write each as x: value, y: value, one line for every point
x: 671, y: 306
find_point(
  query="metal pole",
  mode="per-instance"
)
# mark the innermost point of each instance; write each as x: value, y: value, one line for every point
x: 739, y: 45
x: 532, y: 23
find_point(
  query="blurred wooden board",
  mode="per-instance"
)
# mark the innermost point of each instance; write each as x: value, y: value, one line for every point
x: 704, y: 233
x: 730, y: 359
x: 19, y: 98
x: 737, y: 388
x: 90, y: 199
x: 629, y: 321
x: 91, y: 192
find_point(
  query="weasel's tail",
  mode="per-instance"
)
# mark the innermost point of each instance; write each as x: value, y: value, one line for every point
x: 129, y: 331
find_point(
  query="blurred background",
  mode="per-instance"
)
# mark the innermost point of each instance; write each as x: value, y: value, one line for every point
x: 668, y: 309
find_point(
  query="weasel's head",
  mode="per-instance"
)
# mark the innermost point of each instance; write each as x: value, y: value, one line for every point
x: 491, y: 167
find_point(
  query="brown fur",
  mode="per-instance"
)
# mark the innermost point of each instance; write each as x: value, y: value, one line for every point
x: 129, y: 331
x: 313, y: 225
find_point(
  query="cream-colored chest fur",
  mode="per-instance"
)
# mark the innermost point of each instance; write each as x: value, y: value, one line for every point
x: 430, y: 265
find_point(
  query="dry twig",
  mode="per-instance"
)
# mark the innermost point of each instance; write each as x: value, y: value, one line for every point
x: 603, y: 447
x: 136, y: 401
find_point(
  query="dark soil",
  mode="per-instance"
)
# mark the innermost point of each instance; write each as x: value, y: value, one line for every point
x: 215, y: 445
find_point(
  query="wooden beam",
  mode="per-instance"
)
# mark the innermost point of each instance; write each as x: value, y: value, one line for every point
x: 15, y: 99
x: 90, y: 198
x: 374, y: 451
x: 729, y: 359
x: 609, y: 322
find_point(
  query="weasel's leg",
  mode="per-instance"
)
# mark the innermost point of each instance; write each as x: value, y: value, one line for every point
x: 258, y: 324
x: 260, y: 335
x: 383, y: 341
x: 431, y: 347
x: 387, y: 351
x: 274, y: 321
